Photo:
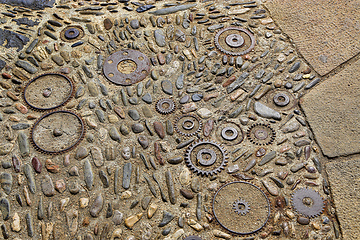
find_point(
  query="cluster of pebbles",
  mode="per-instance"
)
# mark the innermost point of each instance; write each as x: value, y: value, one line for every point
x: 140, y: 149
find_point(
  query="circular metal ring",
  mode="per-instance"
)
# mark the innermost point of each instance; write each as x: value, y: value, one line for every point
x: 261, y: 134
x: 191, y: 126
x: 113, y: 74
x: 229, y: 129
x: 204, y: 162
x: 281, y: 99
x: 234, y: 40
x: 72, y: 33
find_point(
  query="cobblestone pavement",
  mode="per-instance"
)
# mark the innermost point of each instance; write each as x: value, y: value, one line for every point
x: 174, y: 120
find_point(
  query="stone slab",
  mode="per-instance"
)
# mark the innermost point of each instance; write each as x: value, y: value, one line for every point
x: 326, y: 32
x: 344, y: 179
x: 333, y: 111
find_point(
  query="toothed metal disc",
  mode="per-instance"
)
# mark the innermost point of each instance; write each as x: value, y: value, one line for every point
x: 188, y: 125
x: 234, y: 41
x: 307, y: 202
x: 261, y: 134
x: 206, y: 158
x: 241, y: 207
x: 256, y: 210
x: 48, y: 91
x: 57, y: 132
x: 165, y: 106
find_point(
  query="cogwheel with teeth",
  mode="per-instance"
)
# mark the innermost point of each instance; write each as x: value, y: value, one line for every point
x: 261, y: 134
x: 234, y: 41
x: 206, y: 157
x: 307, y: 202
x: 241, y: 208
x: 48, y: 91
x: 188, y: 125
x: 57, y: 132
x: 165, y: 106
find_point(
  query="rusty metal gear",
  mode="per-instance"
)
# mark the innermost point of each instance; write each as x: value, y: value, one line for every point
x: 57, y: 132
x: 72, y: 33
x: 253, y: 219
x: 188, y: 125
x: 48, y: 91
x: 206, y: 157
x: 126, y: 67
x: 165, y: 106
x: 307, y: 202
x: 242, y: 207
x: 234, y: 41
x: 261, y: 134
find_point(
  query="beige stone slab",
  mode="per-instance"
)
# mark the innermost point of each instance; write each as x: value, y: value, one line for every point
x: 333, y: 111
x: 344, y: 179
x: 326, y: 32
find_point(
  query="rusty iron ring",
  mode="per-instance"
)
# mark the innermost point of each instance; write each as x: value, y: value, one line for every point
x: 112, y: 73
x: 67, y: 99
x: 82, y: 132
x: 235, y: 53
x: 73, y: 39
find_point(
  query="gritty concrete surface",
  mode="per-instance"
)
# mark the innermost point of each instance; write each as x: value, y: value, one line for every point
x: 332, y: 110
x: 345, y: 187
x: 326, y: 32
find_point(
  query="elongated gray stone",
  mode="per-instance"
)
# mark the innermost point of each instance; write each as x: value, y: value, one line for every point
x: 88, y: 175
x: 126, y: 175
x: 47, y: 186
x: 266, y: 112
x: 97, y: 206
x: 159, y: 38
x: 174, y: 9
x: 23, y: 144
x: 26, y: 66
x: 30, y: 177
x: 6, y: 182
x: 5, y: 208
x: 167, y: 217
x: 170, y: 185
x: 267, y: 158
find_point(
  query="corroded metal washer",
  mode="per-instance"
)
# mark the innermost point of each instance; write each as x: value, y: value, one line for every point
x: 229, y: 133
x: 253, y: 219
x: 113, y: 74
x: 234, y: 41
x: 61, y: 90
x: 72, y: 33
x: 57, y: 132
x: 281, y: 99
x: 231, y: 137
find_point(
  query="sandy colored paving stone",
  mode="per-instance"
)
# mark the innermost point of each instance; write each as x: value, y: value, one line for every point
x: 332, y: 110
x: 326, y: 32
x: 344, y: 178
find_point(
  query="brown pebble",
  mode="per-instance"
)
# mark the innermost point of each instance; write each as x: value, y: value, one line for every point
x: 120, y: 112
x: 229, y: 81
x: 52, y: 167
x: 208, y: 127
x: 6, y: 75
x: 187, y: 193
x: 161, y: 58
x: 23, y: 109
x: 12, y: 96
x: 108, y: 24
x: 36, y: 164
x: 307, y: 70
x: 159, y: 129
x: 303, y: 220
x: 157, y: 153
x: 209, y: 96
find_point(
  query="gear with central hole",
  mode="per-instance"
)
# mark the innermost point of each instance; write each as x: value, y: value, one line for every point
x: 261, y: 134
x: 241, y: 207
x: 206, y: 157
x: 307, y: 202
x: 188, y: 125
x: 165, y: 106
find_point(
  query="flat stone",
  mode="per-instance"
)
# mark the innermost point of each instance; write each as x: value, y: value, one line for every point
x: 47, y: 186
x: 331, y: 109
x: 167, y: 87
x: 88, y: 175
x: 159, y: 38
x: 318, y: 32
x: 345, y: 183
x: 265, y: 111
x: 97, y: 206
x: 167, y: 217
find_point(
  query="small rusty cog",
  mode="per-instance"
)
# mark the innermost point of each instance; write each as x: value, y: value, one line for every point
x: 279, y: 100
x: 234, y: 41
x: 253, y: 214
x: 57, y: 132
x: 165, y: 106
x: 72, y: 33
x: 126, y: 67
x: 48, y: 91
x: 206, y: 157
x: 229, y: 133
x: 307, y: 202
x: 261, y: 134
x: 188, y: 125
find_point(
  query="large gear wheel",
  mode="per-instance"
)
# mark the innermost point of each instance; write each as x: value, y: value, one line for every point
x: 248, y: 220
x: 261, y: 134
x: 206, y: 157
x: 307, y: 202
x: 57, y: 132
x: 48, y: 91
x: 188, y: 125
x: 234, y: 41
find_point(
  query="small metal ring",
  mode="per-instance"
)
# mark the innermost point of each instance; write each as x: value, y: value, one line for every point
x: 261, y: 134
x: 234, y: 40
x: 204, y: 162
x: 188, y: 127
x: 72, y: 33
x: 227, y: 137
x: 281, y: 99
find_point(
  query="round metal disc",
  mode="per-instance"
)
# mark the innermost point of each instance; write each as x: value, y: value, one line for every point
x: 111, y: 69
x: 261, y: 134
x: 57, y: 132
x: 188, y: 125
x: 72, y: 33
x: 48, y: 91
x: 203, y: 157
x: 242, y: 224
x: 279, y: 100
x: 229, y: 133
x: 234, y: 41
